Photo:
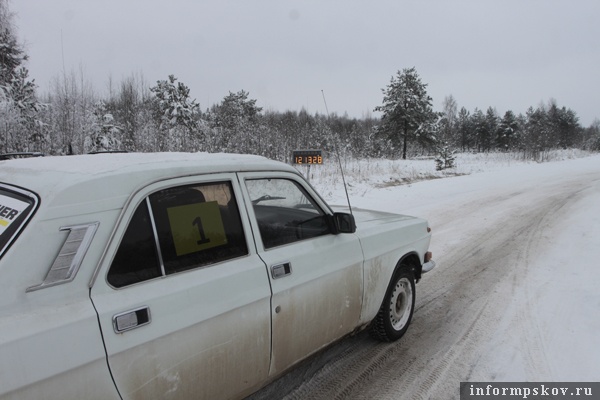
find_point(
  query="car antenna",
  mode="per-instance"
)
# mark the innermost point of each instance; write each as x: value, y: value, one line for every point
x: 335, y: 147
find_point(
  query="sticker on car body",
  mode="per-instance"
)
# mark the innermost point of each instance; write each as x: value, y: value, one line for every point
x: 10, y: 209
x: 196, y: 227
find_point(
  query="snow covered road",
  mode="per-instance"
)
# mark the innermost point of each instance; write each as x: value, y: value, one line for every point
x: 515, y: 296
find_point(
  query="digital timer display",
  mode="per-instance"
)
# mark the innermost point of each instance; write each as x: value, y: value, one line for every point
x: 307, y: 157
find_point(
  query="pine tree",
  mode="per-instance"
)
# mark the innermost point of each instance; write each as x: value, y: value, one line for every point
x: 176, y: 115
x: 465, y: 129
x: 407, y: 111
x: 591, y: 136
x: 508, y: 130
x: 489, y: 132
x: 12, y: 55
x: 564, y: 126
x: 19, y: 105
x: 236, y: 120
x: 105, y: 134
x: 537, y: 133
x: 445, y: 158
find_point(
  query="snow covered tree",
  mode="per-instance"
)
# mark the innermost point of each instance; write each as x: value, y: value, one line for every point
x: 484, y: 128
x: 407, y: 111
x: 591, y: 136
x: 537, y: 138
x: 127, y: 108
x: 19, y: 99
x: 18, y: 103
x: 563, y: 125
x: 72, y: 101
x: 12, y: 55
x: 176, y: 115
x: 445, y: 158
x: 479, y: 128
x: 236, y: 111
x: 105, y: 134
x: 488, y: 134
x: 465, y: 129
x: 236, y: 119
x: 507, y: 133
x: 448, y: 124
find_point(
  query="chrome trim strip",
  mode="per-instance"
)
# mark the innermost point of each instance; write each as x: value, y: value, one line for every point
x: 69, y: 259
x: 155, y: 232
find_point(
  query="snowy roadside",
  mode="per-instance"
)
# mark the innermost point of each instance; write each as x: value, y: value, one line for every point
x: 365, y: 175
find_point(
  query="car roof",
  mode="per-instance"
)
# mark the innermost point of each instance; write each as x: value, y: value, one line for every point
x: 64, y: 180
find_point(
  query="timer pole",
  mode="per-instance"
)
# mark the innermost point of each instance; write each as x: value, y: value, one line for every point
x: 338, y: 157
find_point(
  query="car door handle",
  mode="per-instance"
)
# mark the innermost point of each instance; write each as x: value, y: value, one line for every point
x: 281, y: 270
x: 129, y: 320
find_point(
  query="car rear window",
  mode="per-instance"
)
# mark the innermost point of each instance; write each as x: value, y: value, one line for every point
x: 16, y: 208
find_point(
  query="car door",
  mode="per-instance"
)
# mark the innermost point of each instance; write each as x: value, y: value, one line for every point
x: 316, y: 276
x: 182, y: 297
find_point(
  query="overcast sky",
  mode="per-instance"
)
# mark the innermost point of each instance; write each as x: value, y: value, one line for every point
x: 507, y: 54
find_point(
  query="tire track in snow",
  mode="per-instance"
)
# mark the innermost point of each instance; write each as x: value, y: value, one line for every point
x: 526, y: 319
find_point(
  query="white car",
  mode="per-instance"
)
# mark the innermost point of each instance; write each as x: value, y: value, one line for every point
x: 185, y: 276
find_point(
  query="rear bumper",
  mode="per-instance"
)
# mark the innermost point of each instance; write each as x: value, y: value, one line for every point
x: 428, y: 266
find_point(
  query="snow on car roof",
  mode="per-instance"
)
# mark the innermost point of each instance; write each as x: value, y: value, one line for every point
x: 86, y: 178
x: 105, y: 163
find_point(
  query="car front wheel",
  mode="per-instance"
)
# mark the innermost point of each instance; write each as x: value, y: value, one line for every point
x: 397, y: 308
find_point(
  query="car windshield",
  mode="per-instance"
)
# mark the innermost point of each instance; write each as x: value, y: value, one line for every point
x: 16, y: 207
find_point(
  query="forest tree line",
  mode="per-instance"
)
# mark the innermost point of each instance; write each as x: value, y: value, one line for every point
x: 72, y: 118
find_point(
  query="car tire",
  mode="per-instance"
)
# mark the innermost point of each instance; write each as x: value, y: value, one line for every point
x: 397, y: 308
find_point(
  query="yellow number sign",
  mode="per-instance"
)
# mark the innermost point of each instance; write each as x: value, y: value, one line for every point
x: 196, y: 227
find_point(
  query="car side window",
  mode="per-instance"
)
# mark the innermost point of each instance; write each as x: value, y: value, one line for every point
x: 285, y: 212
x: 190, y: 226
x: 136, y: 259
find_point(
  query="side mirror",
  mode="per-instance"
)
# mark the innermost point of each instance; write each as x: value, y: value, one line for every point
x: 344, y: 222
